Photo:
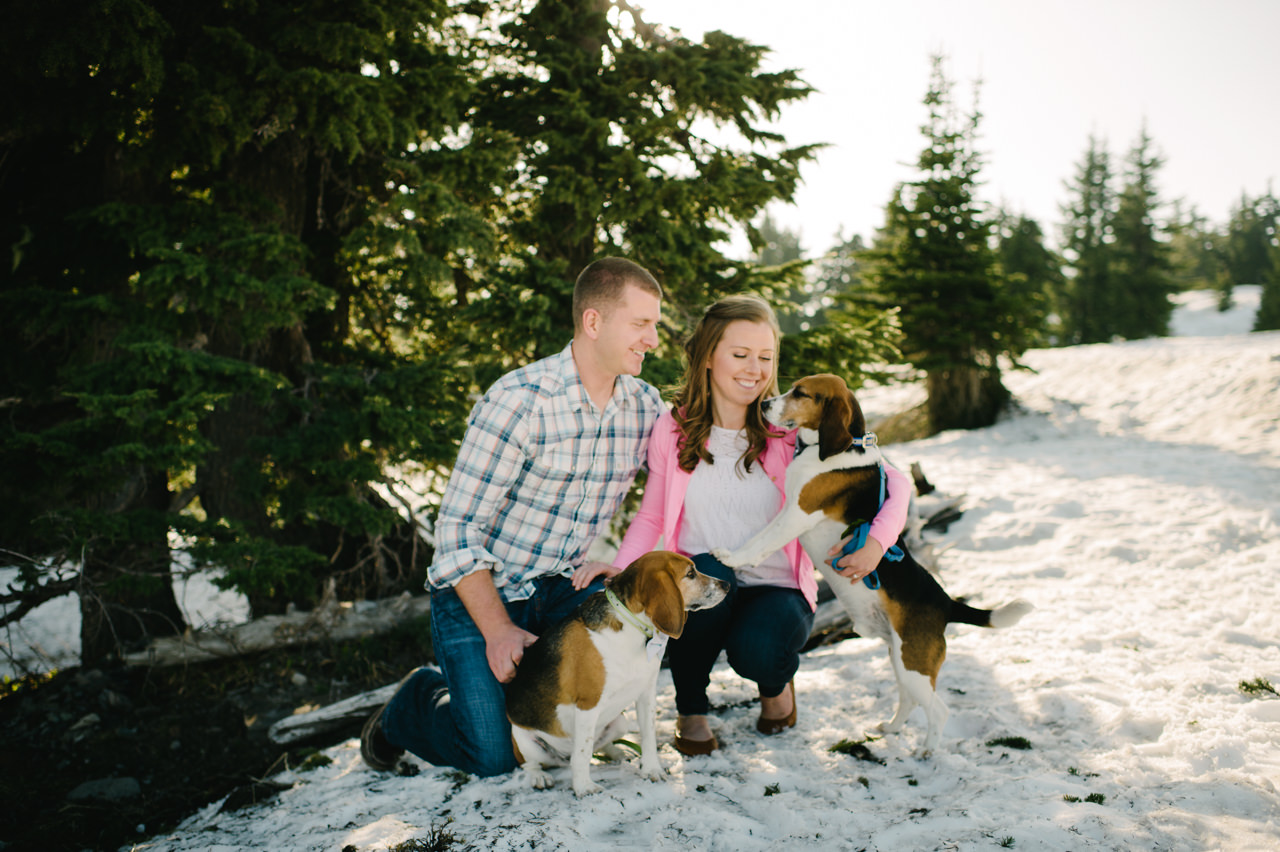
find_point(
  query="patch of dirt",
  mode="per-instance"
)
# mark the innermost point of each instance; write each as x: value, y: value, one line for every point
x: 105, y: 758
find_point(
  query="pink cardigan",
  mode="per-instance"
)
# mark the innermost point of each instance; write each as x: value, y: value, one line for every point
x: 661, y: 511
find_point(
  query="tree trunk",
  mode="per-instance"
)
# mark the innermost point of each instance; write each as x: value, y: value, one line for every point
x: 964, y: 397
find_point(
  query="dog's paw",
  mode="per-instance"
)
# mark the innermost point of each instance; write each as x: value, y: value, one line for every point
x: 538, y: 778
x: 588, y: 789
x: 728, y: 557
x: 653, y: 773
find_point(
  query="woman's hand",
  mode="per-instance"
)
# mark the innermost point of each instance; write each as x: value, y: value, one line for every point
x: 588, y: 571
x: 858, y: 564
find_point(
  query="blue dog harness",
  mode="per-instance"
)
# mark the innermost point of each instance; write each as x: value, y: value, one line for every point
x: 859, y: 529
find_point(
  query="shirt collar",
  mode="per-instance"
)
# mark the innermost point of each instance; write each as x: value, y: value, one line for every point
x: 576, y: 391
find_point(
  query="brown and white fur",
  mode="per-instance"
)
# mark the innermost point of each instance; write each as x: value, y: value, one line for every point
x: 573, y: 684
x: 832, y: 483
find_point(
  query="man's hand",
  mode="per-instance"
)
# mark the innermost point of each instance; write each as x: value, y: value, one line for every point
x: 505, y: 649
x: 861, y: 562
x: 588, y: 571
x: 504, y: 642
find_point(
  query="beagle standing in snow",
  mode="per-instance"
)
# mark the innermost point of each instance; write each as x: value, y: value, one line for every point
x: 833, y: 486
x: 571, y: 688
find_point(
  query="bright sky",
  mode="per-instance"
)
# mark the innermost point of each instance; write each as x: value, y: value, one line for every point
x: 1202, y: 73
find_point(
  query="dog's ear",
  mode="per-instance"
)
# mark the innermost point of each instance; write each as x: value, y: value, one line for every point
x: 834, y: 435
x: 857, y: 421
x: 660, y: 591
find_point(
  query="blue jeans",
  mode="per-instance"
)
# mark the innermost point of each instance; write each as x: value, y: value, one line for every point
x: 456, y: 715
x: 761, y: 629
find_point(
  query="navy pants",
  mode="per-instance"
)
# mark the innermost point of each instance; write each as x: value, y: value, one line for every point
x: 760, y: 628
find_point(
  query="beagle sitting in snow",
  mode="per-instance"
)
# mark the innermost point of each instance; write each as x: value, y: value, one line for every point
x: 571, y: 688
x: 833, y: 486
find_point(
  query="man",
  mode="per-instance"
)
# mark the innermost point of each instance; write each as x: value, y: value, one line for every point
x: 549, y: 454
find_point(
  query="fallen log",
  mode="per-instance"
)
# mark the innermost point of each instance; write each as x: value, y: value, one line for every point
x: 341, y: 714
x: 337, y: 620
x: 829, y: 618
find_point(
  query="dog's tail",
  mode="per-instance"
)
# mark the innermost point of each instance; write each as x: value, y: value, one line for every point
x: 1005, y: 616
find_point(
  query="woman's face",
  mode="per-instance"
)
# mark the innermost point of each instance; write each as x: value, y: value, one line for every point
x: 741, y: 369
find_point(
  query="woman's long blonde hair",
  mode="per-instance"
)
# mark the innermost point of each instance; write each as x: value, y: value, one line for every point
x: 692, y: 401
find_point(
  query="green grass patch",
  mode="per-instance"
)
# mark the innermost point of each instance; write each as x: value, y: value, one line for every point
x: 856, y: 749
x: 1092, y: 798
x: 1021, y: 743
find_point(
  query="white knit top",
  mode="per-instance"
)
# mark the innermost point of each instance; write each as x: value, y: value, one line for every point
x: 724, y: 506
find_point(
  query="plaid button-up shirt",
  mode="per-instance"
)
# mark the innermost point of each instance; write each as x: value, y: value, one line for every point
x: 539, y: 473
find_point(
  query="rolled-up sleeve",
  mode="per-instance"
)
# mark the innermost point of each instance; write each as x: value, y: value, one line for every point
x: 490, y: 460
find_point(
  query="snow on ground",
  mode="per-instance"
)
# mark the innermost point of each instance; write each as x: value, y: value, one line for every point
x: 1134, y: 498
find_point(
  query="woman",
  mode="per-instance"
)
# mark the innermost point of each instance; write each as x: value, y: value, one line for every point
x: 716, y: 475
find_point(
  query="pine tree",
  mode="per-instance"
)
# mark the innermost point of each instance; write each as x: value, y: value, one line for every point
x: 1251, y: 236
x: 847, y: 328
x: 197, y: 190
x: 1196, y: 254
x: 1085, y: 302
x: 606, y: 113
x: 934, y: 261
x: 260, y: 251
x: 1140, y: 264
x: 1253, y: 254
x: 779, y: 245
x: 1031, y: 270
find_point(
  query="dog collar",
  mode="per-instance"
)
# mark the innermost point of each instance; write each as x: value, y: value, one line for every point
x: 867, y: 441
x: 627, y: 615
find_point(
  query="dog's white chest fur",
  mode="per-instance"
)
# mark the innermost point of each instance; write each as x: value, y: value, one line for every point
x: 630, y: 678
x: 628, y: 673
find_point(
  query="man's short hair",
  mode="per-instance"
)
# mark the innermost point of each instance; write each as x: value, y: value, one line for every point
x: 602, y: 283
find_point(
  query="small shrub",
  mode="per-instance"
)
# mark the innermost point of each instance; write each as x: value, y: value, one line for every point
x: 1006, y: 843
x: 1257, y: 686
x: 439, y: 839
x: 773, y: 790
x: 1010, y: 742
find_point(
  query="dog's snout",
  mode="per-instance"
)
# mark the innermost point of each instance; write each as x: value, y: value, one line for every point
x: 713, y: 592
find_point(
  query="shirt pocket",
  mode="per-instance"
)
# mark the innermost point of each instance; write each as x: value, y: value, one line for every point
x: 565, y: 459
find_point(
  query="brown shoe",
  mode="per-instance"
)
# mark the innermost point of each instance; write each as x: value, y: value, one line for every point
x: 376, y: 750
x: 769, y: 727
x: 695, y: 748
